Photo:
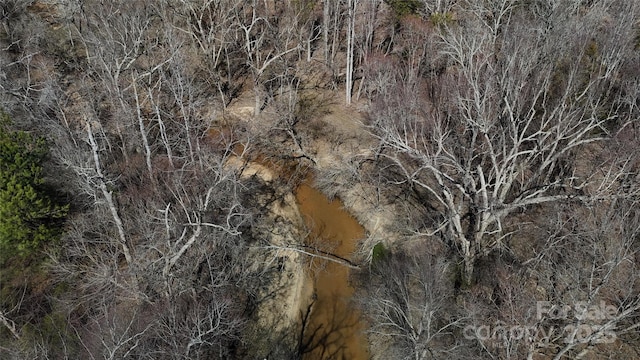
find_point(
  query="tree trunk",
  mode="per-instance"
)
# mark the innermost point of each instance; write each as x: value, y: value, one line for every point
x: 257, y: 91
x: 469, y: 263
x: 143, y: 131
x: 350, y: 34
x: 109, y: 199
x: 325, y: 29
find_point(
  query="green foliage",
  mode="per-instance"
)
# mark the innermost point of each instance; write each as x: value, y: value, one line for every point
x: 379, y: 253
x: 442, y: 19
x: 54, y: 333
x: 304, y: 7
x: 404, y: 7
x: 28, y: 215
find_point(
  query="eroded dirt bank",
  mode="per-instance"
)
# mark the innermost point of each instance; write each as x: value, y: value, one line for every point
x: 334, y: 329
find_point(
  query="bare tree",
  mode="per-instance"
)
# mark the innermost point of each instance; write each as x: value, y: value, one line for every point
x: 201, y: 321
x: 436, y: 7
x: 410, y: 308
x: 114, y: 39
x: 368, y: 28
x: 212, y: 25
x: 500, y: 130
x: 600, y: 274
x: 351, y: 20
x: 263, y: 45
x: 332, y: 25
x: 9, y: 324
x: 22, y: 67
x: 489, y: 117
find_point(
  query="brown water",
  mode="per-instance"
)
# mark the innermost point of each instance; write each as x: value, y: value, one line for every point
x: 333, y: 330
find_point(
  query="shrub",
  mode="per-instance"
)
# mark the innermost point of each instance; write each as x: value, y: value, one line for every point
x: 379, y: 253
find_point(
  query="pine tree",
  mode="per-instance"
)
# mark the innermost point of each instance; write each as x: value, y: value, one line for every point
x: 28, y: 214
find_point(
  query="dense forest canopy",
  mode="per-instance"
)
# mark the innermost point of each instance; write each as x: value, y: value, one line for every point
x: 151, y: 150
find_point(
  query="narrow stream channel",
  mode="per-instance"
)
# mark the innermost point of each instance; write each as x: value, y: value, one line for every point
x: 334, y: 327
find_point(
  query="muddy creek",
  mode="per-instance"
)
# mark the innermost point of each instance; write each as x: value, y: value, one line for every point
x: 333, y: 329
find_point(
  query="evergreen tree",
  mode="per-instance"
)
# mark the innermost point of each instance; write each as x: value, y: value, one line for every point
x: 28, y: 214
